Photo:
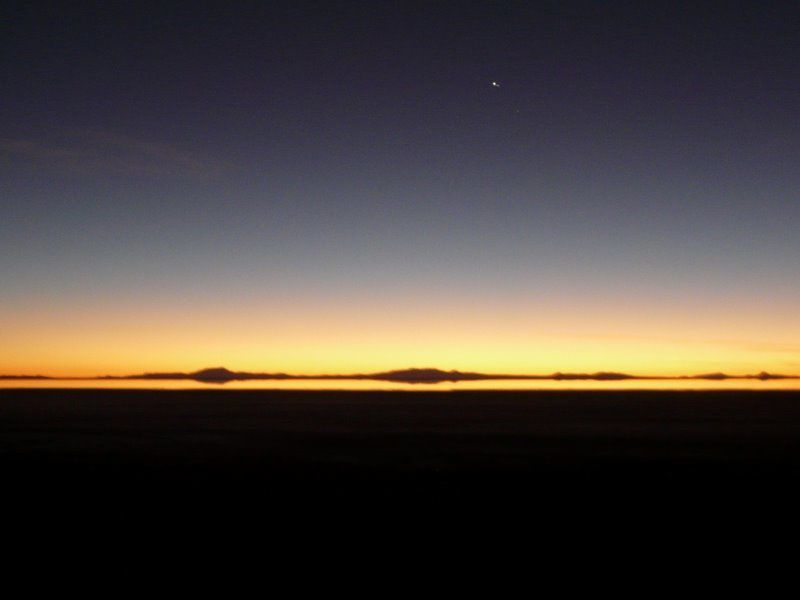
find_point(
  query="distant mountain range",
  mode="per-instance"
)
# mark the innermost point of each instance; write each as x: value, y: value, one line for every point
x: 222, y: 375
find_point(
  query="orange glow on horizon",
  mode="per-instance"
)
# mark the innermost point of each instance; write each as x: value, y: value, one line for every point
x: 315, y: 337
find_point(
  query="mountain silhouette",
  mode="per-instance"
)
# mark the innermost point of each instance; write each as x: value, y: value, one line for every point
x: 599, y: 376
x: 214, y: 375
x: 427, y: 376
x: 712, y: 376
x: 217, y: 374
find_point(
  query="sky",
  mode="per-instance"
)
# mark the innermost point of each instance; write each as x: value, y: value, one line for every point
x: 320, y: 187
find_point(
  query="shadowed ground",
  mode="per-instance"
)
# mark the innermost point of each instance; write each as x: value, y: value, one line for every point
x: 591, y: 476
x: 357, y: 447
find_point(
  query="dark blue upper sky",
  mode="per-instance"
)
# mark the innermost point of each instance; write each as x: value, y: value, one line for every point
x: 310, y: 147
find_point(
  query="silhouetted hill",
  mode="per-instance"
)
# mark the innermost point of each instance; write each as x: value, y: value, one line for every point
x: 764, y: 376
x: 209, y: 375
x: 218, y: 374
x: 712, y: 376
x: 426, y: 376
x: 599, y: 376
x: 413, y: 375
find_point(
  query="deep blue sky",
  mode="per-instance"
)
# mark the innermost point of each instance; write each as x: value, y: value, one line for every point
x: 346, y: 151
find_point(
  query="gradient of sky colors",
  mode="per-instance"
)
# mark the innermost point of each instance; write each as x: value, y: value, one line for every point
x: 337, y: 187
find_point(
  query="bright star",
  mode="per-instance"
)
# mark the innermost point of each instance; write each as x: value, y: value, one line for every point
x: 495, y: 84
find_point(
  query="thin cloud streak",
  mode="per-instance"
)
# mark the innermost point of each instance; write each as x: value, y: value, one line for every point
x: 114, y: 153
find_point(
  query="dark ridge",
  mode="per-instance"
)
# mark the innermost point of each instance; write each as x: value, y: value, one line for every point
x: 600, y: 376
x: 764, y: 376
x: 712, y: 376
x: 215, y: 374
x: 412, y: 375
x: 427, y: 376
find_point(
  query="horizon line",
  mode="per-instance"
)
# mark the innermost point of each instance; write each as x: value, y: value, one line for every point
x: 409, y: 375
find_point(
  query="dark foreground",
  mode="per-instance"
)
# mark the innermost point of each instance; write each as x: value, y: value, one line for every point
x: 234, y: 451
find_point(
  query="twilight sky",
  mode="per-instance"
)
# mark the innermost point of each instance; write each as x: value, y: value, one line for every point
x: 338, y: 186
